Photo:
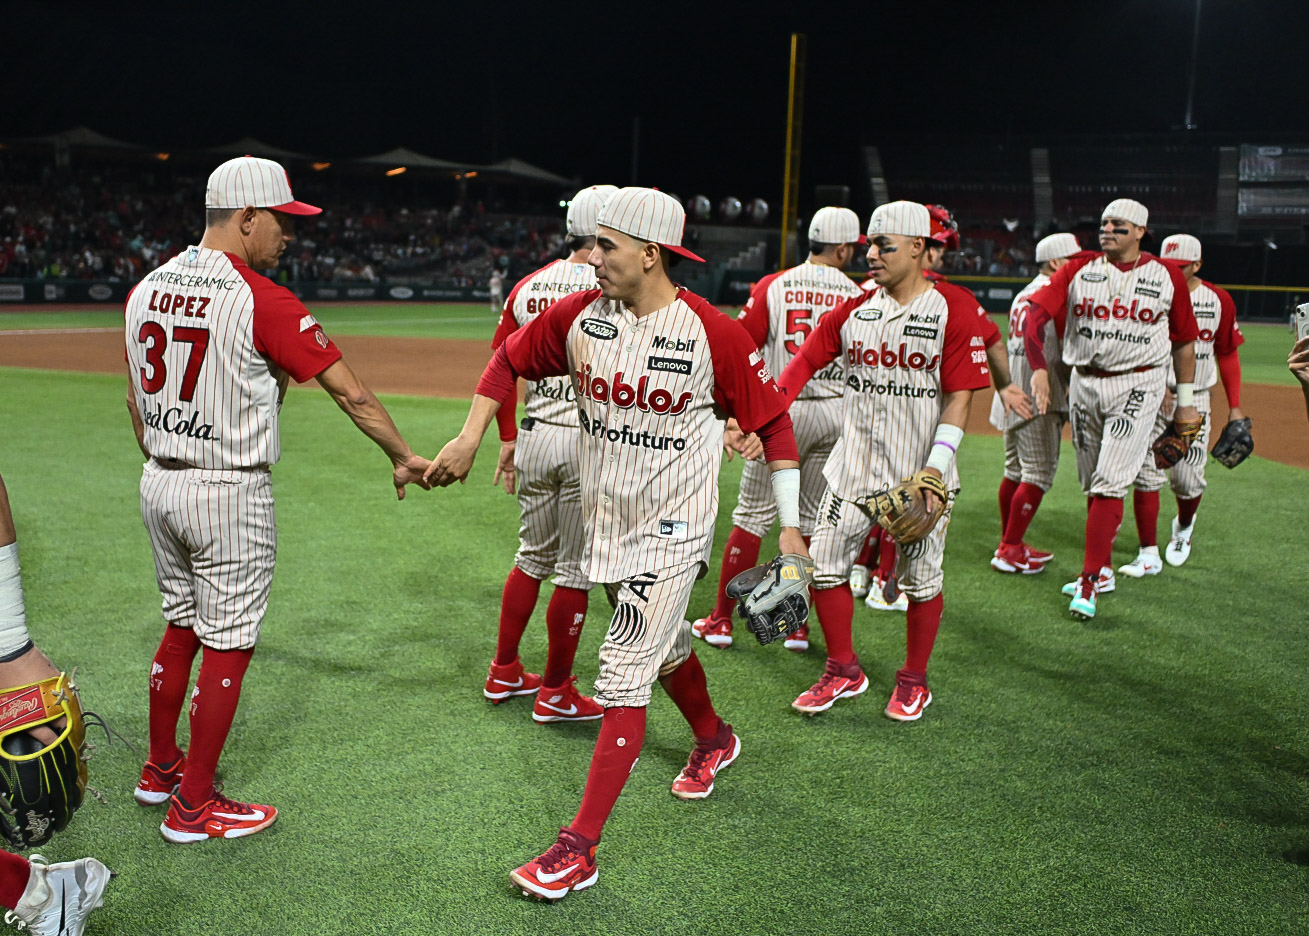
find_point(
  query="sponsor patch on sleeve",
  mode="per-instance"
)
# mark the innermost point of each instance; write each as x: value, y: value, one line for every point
x: 307, y: 322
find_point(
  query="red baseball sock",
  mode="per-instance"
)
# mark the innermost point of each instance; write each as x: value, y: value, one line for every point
x: 687, y: 687
x: 622, y: 733
x: 564, y: 618
x: 14, y: 872
x: 1102, y: 523
x: 1145, y: 505
x: 1186, y: 508
x: 868, y: 555
x: 924, y: 622
x: 169, y: 676
x: 1026, y: 499
x: 742, y: 553
x: 213, y: 706
x: 1008, y: 488
x: 889, y: 555
x: 835, y: 609
x: 516, y: 607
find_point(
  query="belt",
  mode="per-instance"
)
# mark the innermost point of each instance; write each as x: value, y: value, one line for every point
x: 175, y: 464
x: 1096, y: 372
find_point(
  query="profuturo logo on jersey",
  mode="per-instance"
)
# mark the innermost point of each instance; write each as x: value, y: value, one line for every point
x: 859, y: 356
x: 1088, y: 309
x: 625, y: 396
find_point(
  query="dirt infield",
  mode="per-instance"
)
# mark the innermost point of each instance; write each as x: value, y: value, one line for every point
x: 446, y: 368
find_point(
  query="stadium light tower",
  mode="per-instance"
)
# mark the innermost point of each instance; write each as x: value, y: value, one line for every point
x: 1189, y: 122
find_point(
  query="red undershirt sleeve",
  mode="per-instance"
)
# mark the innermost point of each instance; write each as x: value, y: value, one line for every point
x: 1036, y: 319
x: 778, y: 437
x: 755, y: 316
x: 820, y: 349
x: 1181, y: 317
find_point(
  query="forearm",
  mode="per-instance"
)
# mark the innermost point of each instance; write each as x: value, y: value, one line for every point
x: 997, y: 358
x: 957, y: 407
x: 370, y: 416
x: 480, y: 415
x: 1229, y: 367
x: 1184, y: 361
x: 1034, y: 336
x: 797, y: 374
x: 138, y: 425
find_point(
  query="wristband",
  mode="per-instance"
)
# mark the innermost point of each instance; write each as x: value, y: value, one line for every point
x: 13, y: 617
x: 944, y: 447
x: 786, y: 491
x: 1186, y: 394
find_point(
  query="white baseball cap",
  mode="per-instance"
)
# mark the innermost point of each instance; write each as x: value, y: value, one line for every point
x: 1182, y: 247
x: 1056, y: 246
x: 832, y: 225
x: 648, y: 215
x: 1128, y: 209
x: 258, y: 183
x: 585, y: 208
x: 907, y: 218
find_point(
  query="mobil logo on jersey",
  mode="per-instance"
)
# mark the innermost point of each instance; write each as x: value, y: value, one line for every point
x: 1088, y: 308
x: 861, y: 355
x: 616, y: 390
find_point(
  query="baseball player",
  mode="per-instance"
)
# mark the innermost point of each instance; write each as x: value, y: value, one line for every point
x: 1031, y: 445
x: 210, y: 347
x: 1215, y: 354
x: 913, y: 357
x: 653, y: 367
x: 783, y: 309
x: 542, y: 465
x: 1121, y: 315
x: 496, y: 286
x: 45, y: 899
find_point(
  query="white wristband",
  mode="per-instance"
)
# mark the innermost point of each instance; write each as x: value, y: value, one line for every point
x: 1186, y: 394
x: 944, y: 447
x: 13, y: 616
x: 786, y: 491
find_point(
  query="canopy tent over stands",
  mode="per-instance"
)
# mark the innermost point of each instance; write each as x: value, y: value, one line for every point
x: 81, y: 136
x: 249, y: 146
x: 409, y: 159
x: 525, y: 171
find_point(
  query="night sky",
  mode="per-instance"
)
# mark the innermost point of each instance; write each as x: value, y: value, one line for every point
x: 559, y: 84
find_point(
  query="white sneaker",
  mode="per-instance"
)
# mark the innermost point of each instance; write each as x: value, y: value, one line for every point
x: 1147, y: 562
x: 877, y: 601
x: 1179, y: 547
x: 1104, y: 584
x: 60, y: 896
x: 859, y: 580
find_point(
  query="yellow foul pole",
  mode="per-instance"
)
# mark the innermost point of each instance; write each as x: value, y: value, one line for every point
x: 794, y: 122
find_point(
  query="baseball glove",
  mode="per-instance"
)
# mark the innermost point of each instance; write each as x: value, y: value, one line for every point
x: 903, y: 511
x: 774, y: 598
x: 41, y: 785
x: 1235, y: 443
x: 1171, y: 446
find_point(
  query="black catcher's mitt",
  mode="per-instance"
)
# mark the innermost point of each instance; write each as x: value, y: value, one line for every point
x: 1235, y: 443
x: 41, y: 786
x: 774, y: 598
x: 1171, y: 446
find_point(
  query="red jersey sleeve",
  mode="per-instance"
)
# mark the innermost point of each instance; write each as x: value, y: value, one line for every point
x: 1229, y: 336
x: 285, y: 330
x: 755, y: 316
x: 963, y: 351
x: 1181, y: 317
x: 540, y: 349
x: 1033, y: 330
x: 742, y: 385
x: 821, y: 347
x: 1053, y: 296
x: 508, y: 323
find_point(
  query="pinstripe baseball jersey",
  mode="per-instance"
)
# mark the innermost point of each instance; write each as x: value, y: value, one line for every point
x: 986, y: 326
x: 784, y: 308
x: 1215, y: 316
x: 652, y: 394
x: 550, y: 400
x: 210, y: 346
x: 1118, y: 317
x: 900, y: 361
x: 1020, y: 371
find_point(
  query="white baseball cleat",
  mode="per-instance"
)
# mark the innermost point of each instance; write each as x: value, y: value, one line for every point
x: 1179, y: 547
x: 59, y: 896
x: 1147, y: 562
x: 859, y: 580
x: 1104, y: 583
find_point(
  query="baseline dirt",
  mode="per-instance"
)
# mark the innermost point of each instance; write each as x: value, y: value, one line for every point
x: 450, y: 368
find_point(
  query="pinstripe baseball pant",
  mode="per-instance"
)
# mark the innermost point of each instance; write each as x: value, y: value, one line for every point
x: 1111, y: 422
x: 649, y: 635
x: 817, y: 427
x: 552, y: 535
x: 1187, y: 476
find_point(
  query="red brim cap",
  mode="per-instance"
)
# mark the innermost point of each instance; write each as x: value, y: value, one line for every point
x: 683, y: 252
x: 297, y: 208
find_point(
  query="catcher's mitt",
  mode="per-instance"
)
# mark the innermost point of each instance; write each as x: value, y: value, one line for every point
x: 1235, y: 443
x: 774, y: 598
x: 41, y: 785
x: 903, y: 510
x: 1171, y: 446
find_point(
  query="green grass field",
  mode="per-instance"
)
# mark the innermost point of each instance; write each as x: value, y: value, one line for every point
x: 1147, y: 772
x: 1263, y: 356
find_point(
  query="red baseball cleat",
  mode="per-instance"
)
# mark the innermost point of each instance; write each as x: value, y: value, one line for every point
x: 509, y: 680
x: 218, y: 818
x: 696, y: 781
x: 159, y: 783
x: 908, y: 701
x: 1038, y: 555
x: 1011, y: 558
x: 841, y: 681
x: 567, y: 865
x: 799, y: 641
x: 565, y: 703
x: 717, y: 632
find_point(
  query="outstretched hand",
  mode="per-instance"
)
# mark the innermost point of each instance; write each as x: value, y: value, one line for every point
x: 410, y: 471
x: 452, y: 463
x: 504, y: 468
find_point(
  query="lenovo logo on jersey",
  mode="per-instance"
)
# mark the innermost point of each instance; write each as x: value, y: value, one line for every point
x: 1088, y: 309
x: 674, y: 365
x: 599, y: 328
x: 625, y: 396
x: 660, y: 343
x: 859, y: 356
